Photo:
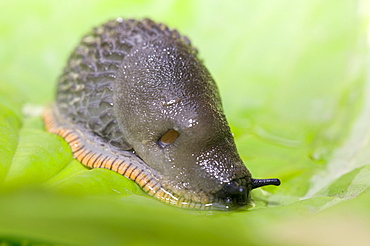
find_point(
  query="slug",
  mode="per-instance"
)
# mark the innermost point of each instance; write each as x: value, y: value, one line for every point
x: 135, y: 98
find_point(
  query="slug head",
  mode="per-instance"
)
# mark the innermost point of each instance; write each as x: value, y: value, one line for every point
x: 169, y: 110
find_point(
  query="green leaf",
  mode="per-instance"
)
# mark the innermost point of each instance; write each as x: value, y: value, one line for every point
x: 35, y: 162
x: 10, y: 122
x: 95, y: 182
x: 293, y: 77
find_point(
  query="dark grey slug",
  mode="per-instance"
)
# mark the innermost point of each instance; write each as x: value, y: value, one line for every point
x: 135, y: 98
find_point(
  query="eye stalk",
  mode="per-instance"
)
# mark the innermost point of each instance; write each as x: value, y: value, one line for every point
x: 256, y: 183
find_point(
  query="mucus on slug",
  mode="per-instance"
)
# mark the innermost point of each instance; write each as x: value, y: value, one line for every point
x: 155, y: 116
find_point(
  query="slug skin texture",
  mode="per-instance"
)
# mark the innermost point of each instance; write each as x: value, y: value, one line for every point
x: 134, y: 98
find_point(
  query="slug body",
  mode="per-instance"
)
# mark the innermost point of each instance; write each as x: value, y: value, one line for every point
x: 134, y: 98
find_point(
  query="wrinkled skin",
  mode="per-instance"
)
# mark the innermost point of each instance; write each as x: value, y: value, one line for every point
x: 130, y: 82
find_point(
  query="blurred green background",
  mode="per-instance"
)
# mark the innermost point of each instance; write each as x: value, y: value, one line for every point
x: 293, y: 77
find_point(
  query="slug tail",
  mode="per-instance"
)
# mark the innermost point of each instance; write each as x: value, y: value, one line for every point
x: 256, y: 183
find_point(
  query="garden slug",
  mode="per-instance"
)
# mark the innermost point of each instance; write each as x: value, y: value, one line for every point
x: 135, y: 98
